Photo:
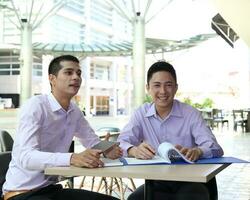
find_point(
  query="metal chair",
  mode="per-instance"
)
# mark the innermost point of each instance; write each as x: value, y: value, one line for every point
x: 112, y: 131
x: 109, y: 184
x: 239, y: 120
x: 6, y: 141
x: 6, y: 144
x: 5, y: 158
x: 218, y: 118
x: 207, y: 116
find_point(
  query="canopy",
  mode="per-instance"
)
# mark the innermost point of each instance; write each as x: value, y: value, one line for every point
x: 123, y: 48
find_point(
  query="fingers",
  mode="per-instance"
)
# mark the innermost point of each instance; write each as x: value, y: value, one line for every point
x: 144, y: 151
x: 192, y: 154
x: 184, y: 150
x: 114, y: 153
x: 179, y: 147
x: 89, y: 158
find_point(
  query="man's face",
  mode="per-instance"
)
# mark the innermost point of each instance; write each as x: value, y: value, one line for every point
x: 162, y: 88
x: 68, y: 80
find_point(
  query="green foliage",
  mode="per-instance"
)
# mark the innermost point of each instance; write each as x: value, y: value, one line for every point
x: 148, y: 99
x: 187, y: 100
x: 207, y: 103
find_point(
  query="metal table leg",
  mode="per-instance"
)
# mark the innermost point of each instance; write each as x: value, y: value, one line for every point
x: 149, y: 190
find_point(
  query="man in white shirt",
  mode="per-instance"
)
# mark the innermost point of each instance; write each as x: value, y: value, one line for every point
x: 47, y: 126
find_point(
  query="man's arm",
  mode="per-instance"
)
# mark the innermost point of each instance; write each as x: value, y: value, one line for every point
x: 205, y: 139
x: 130, y: 135
x: 34, y: 149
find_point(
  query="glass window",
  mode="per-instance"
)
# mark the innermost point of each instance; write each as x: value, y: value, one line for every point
x: 15, y: 66
x: 4, y: 72
x: 15, y: 72
x: 5, y: 66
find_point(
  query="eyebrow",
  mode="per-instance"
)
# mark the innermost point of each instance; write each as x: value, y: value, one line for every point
x: 162, y: 82
x: 71, y: 69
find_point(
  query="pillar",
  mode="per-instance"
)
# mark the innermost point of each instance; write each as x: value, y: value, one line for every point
x: 26, y: 61
x: 138, y: 62
x: 113, y: 90
x: 85, y: 83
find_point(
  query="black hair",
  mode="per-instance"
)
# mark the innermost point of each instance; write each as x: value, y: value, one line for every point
x: 161, y: 66
x: 54, y: 66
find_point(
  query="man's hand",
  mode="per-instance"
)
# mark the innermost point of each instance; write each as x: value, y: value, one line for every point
x: 143, y: 151
x: 113, y: 153
x: 89, y: 158
x: 192, y: 154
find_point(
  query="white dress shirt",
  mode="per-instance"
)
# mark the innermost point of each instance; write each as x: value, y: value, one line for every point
x: 42, y: 140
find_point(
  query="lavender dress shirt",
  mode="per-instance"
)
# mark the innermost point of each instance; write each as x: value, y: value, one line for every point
x: 42, y: 140
x: 184, y: 125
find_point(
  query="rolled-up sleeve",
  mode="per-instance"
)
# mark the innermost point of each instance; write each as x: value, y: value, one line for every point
x: 130, y: 135
x: 205, y: 139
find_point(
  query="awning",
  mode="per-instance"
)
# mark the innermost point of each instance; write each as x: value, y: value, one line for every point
x: 119, y: 49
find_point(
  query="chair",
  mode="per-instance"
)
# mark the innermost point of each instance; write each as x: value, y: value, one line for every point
x: 6, y: 144
x: 239, y: 120
x: 6, y: 141
x: 70, y: 180
x: 218, y: 118
x: 5, y: 158
x: 106, y: 183
x: 113, y: 131
x: 207, y: 116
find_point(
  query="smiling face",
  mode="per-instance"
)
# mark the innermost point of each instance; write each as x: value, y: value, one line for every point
x: 67, y: 81
x: 162, y: 87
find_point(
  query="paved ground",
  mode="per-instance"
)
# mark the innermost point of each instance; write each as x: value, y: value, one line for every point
x: 233, y: 182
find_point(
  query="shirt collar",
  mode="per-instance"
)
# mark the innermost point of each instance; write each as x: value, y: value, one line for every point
x: 55, y: 105
x: 151, y: 111
x: 176, y: 111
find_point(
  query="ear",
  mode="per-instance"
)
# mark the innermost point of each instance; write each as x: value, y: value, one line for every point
x: 147, y: 87
x: 51, y: 79
x: 176, y: 87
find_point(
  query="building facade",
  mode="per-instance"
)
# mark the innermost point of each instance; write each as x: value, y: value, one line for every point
x: 106, y: 84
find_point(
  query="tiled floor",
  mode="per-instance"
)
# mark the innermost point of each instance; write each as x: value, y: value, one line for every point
x: 233, y: 182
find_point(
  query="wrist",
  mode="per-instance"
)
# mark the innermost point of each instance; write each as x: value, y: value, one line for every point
x: 131, y: 151
x: 200, y: 152
x: 72, y: 159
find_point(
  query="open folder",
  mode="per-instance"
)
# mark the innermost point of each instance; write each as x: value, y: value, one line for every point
x: 158, y: 161
x: 168, y: 154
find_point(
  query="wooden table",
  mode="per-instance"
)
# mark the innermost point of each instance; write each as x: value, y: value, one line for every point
x: 192, y: 173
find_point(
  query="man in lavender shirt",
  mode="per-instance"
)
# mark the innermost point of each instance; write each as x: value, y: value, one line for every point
x: 47, y: 126
x: 167, y: 119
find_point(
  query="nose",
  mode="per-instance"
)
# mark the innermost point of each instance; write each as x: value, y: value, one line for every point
x: 76, y: 76
x: 162, y: 89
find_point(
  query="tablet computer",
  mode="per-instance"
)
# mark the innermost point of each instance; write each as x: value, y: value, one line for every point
x: 105, y: 145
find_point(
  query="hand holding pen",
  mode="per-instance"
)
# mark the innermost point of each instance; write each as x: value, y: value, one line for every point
x: 143, y: 151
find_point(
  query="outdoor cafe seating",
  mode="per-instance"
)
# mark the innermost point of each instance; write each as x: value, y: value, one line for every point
x: 239, y: 119
x: 219, y: 118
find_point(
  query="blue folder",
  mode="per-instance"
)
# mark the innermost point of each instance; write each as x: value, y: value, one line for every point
x: 221, y: 160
